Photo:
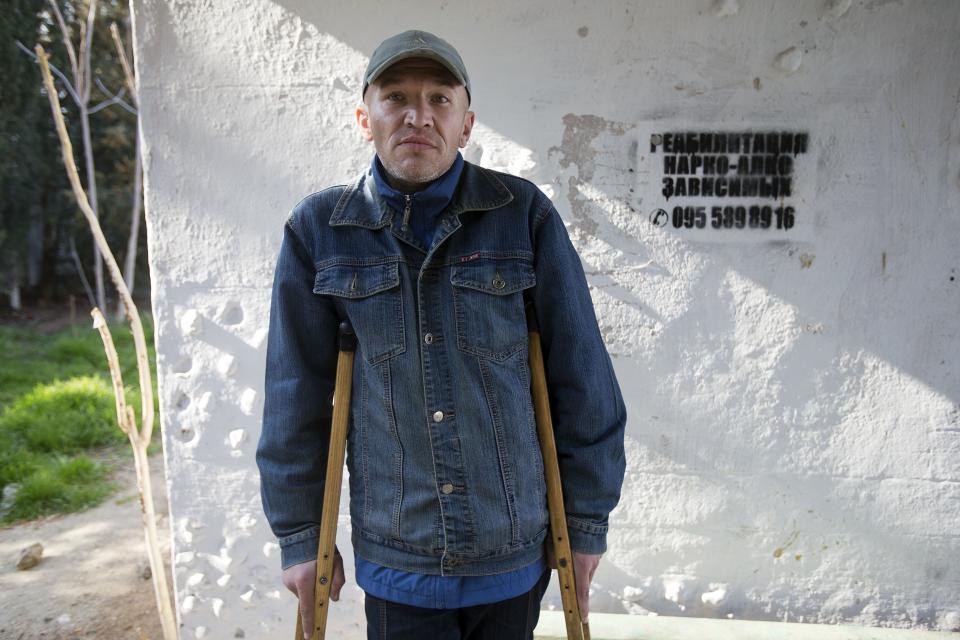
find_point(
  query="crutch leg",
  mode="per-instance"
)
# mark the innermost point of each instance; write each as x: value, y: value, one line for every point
x: 334, y: 480
x: 576, y: 628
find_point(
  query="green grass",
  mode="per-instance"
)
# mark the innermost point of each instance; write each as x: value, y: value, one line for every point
x: 56, y: 408
x: 28, y: 358
x: 61, y: 485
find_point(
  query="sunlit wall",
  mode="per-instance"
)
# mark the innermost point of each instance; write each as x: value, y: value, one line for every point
x: 765, y: 198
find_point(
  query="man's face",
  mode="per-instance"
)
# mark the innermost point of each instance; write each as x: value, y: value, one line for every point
x: 417, y: 116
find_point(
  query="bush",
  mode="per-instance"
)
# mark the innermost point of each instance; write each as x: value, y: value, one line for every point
x: 64, y: 416
x: 61, y: 486
x: 41, y: 436
x: 56, y: 402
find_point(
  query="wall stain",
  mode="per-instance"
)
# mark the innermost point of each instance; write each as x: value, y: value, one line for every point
x: 806, y: 260
x: 786, y: 545
x: 578, y: 147
x: 578, y: 136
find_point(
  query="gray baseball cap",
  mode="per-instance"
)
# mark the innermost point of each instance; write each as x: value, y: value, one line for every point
x: 415, y: 44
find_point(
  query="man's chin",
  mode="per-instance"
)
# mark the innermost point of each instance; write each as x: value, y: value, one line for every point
x: 416, y: 174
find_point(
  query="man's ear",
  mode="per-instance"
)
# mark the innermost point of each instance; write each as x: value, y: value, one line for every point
x: 363, y: 121
x: 469, y: 119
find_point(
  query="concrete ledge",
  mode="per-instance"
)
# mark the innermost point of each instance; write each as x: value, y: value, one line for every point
x: 610, y: 626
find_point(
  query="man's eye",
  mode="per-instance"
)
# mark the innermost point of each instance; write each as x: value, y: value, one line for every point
x: 394, y: 97
x: 442, y: 99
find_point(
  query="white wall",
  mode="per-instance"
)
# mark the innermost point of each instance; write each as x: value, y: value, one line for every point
x: 794, y: 402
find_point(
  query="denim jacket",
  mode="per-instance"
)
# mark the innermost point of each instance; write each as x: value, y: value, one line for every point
x: 445, y: 471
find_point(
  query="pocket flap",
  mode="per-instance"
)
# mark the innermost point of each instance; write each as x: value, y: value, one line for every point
x: 498, y: 277
x: 356, y: 281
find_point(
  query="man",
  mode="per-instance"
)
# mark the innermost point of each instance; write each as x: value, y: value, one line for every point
x: 431, y: 259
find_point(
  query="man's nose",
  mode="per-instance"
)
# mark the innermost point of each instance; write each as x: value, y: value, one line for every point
x: 419, y: 115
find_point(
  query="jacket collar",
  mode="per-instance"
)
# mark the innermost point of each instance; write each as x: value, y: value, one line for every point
x: 360, y: 206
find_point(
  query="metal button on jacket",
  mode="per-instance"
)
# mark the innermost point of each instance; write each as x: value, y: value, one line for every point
x: 438, y: 416
x: 428, y: 338
x: 447, y: 489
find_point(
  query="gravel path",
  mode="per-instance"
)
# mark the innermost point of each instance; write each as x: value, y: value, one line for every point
x: 90, y: 582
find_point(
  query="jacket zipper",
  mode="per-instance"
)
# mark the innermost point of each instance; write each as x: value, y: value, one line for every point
x: 406, y: 210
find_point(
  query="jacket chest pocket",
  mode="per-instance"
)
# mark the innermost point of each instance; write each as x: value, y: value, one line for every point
x: 488, y: 303
x: 370, y: 296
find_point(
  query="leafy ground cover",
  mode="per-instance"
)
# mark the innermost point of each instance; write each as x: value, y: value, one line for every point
x: 58, y: 417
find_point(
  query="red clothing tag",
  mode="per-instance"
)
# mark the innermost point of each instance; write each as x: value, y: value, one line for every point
x: 472, y: 256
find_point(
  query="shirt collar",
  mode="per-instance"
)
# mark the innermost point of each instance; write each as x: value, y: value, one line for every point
x: 359, y: 206
x: 427, y: 202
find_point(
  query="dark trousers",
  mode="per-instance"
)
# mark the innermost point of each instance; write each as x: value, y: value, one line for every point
x: 512, y: 619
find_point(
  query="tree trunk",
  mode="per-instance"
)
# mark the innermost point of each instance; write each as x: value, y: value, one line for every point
x: 83, y: 276
x: 130, y: 263
x: 92, y: 195
x: 34, y: 248
x: 15, y: 303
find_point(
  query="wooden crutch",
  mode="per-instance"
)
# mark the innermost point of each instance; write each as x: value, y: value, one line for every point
x: 577, y: 629
x: 331, y: 488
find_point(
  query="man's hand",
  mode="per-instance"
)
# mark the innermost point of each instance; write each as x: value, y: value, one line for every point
x: 301, y: 579
x: 584, y: 566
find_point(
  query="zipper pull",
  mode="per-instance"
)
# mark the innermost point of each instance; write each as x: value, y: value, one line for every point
x: 406, y: 210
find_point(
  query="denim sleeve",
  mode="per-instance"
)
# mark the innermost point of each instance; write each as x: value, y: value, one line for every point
x: 585, y: 400
x: 298, y: 383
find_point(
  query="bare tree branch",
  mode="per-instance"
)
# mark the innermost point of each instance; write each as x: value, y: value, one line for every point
x: 139, y: 439
x: 116, y: 276
x: 115, y: 98
x: 86, y: 44
x: 81, y: 74
x: 83, y: 84
x: 56, y: 72
x: 130, y: 265
x: 127, y: 71
x: 109, y: 92
x: 83, y: 276
x: 66, y: 37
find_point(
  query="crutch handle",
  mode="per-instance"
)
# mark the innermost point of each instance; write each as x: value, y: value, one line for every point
x: 532, y: 325
x: 347, y: 338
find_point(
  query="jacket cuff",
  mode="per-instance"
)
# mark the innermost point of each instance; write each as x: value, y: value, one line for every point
x: 299, y: 547
x: 586, y: 536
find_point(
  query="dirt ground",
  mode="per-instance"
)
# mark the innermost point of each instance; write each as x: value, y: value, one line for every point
x: 89, y: 583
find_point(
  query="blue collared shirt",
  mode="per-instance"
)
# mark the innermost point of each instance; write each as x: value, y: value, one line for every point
x: 425, y: 205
